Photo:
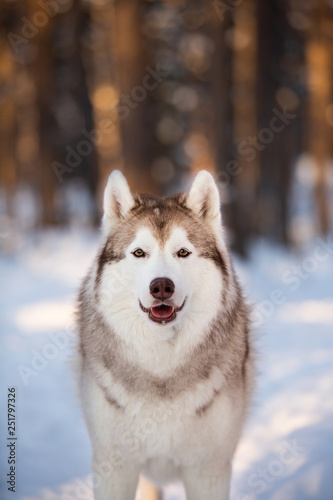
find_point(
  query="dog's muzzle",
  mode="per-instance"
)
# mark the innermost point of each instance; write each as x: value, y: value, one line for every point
x: 162, y: 313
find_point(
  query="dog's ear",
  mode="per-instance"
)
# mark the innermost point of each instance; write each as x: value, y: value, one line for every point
x: 204, y: 200
x: 118, y: 200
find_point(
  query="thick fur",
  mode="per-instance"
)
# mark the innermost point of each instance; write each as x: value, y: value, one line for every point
x: 168, y: 400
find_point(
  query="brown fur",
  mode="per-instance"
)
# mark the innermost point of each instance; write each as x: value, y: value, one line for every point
x: 202, y: 410
x: 161, y: 215
x: 226, y: 343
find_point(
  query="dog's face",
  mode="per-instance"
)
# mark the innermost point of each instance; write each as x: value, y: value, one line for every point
x: 164, y: 259
x: 162, y: 273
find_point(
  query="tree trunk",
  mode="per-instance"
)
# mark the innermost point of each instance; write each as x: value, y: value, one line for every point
x: 319, y: 62
x: 245, y: 120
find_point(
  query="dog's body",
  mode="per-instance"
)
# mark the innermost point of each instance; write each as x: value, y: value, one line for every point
x: 166, y: 361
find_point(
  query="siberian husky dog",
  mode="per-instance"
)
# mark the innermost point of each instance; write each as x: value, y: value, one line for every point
x: 166, y: 357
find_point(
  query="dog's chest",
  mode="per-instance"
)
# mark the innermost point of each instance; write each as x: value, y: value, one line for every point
x: 170, y: 428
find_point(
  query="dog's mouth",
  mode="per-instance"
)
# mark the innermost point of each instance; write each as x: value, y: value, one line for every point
x: 162, y: 313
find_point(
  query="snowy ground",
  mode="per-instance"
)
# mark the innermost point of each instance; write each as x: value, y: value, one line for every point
x: 286, y: 451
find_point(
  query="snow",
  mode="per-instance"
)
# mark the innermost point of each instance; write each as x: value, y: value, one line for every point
x: 286, y: 449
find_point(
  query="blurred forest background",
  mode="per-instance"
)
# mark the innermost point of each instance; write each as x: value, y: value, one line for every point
x: 162, y: 89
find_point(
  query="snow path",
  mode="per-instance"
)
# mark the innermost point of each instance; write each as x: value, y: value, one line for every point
x: 287, y: 448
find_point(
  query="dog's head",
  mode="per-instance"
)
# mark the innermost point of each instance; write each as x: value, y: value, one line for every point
x: 164, y: 260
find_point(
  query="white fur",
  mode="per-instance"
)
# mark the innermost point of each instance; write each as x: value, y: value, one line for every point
x: 163, y: 438
x: 117, y: 193
x: 204, y: 192
x: 164, y: 441
x: 125, y: 283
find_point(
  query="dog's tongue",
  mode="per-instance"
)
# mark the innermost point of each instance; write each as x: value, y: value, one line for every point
x: 162, y: 312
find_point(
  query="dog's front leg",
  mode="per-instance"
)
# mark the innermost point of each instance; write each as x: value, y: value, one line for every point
x: 118, y: 484
x: 207, y: 483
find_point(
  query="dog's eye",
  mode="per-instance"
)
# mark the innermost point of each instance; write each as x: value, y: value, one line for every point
x: 183, y: 253
x: 139, y: 253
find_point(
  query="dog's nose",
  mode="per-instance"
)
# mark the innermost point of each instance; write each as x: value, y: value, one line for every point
x: 162, y: 288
